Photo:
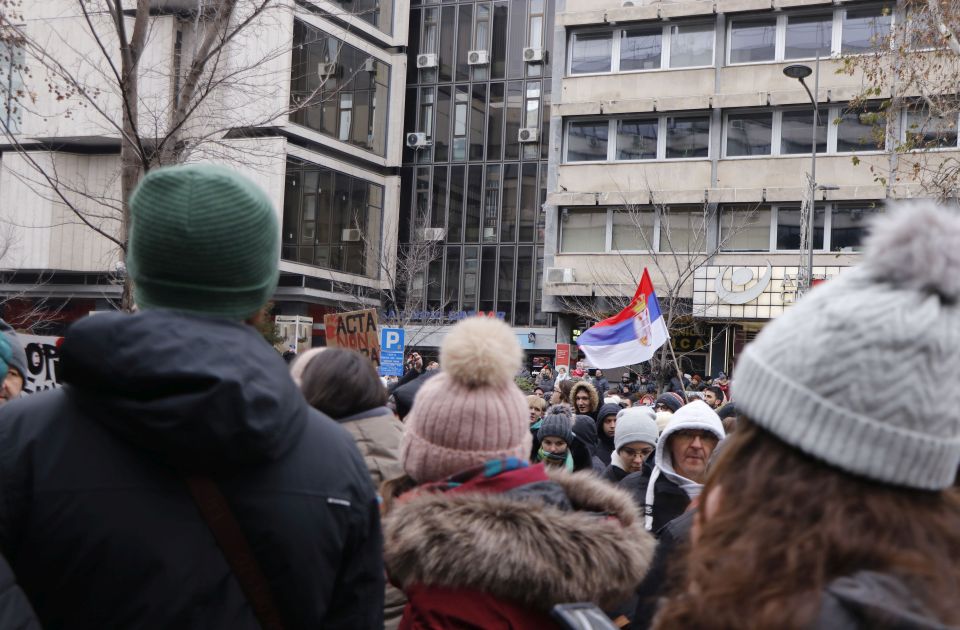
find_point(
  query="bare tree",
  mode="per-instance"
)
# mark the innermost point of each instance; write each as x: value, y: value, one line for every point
x: 168, y: 93
x: 685, y: 244
x: 403, y: 303
x: 913, y: 72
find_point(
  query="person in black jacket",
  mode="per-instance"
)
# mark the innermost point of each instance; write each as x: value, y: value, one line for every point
x: 606, y: 426
x: 97, y: 520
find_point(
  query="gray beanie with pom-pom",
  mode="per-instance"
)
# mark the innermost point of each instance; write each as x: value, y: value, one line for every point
x: 812, y: 375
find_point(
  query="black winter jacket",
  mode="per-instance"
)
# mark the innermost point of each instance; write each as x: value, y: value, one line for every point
x: 96, y: 519
x: 669, y: 500
x: 15, y: 611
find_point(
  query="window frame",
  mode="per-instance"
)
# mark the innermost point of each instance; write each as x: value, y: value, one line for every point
x: 904, y: 121
x: 616, y: 35
x: 780, y: 44
x: 834, y: 113
x: 661, y: 118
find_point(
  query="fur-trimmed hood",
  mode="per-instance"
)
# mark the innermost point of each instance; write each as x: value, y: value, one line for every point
x: 594, y: 397
x: 517, y: 548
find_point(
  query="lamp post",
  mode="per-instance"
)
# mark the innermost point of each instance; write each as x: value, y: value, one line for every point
x: 799, y: 72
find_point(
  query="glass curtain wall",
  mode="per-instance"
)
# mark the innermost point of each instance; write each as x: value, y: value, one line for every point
x: 477, y: 181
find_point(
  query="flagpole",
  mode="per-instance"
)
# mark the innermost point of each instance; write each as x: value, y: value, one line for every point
x: 676, y: 364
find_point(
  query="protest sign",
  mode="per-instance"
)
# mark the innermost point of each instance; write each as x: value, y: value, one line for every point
x: 356, y: 330
x: 43, y: 362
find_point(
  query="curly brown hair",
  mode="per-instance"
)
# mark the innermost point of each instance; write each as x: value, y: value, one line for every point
x: 787, y: 525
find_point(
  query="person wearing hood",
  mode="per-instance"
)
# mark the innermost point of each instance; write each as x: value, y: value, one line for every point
x: 584, y: 399
x: 635, y: 440
x: 584, y: 445
x: 863, y: 483
x: 606, y: 425
x: 16, y: 360
x: 680, y: 465
x: 555, y: 436
x: 478, y: 537
x: 176, y: 411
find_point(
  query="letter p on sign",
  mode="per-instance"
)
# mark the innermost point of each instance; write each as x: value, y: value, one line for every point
x: 391, y: 339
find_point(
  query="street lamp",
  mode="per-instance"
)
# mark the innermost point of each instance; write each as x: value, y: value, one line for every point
x: 800, y: 72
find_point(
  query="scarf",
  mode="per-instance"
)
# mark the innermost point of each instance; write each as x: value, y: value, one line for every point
x: 566, y: 458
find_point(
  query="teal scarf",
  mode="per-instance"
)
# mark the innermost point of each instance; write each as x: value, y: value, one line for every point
x: 566, y: 458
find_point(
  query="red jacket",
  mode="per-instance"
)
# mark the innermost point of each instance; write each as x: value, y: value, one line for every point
x: 432, y: 607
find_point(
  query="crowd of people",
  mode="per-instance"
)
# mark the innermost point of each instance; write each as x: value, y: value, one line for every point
x: 187, y: 477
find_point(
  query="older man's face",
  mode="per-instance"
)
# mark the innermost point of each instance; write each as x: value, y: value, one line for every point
x: 690, y: 450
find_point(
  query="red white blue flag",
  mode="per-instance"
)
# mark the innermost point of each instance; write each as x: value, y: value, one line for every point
x: 629, y: 337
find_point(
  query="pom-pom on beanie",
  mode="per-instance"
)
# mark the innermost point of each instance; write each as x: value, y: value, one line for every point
x: 558, y: 422
x: 812, y: 375
x: 636, y: 424
x: 472, y: 411
x: 204, y: 239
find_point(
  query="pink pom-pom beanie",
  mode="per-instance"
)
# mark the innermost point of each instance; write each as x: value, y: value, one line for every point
x: 472, y: 411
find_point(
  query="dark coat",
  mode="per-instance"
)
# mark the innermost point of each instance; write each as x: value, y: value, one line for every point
x: 669, y: 501
x: 614, y: 474
x: 16, y: 613
x: 674, y: 536
x: 605, y: 445
x: 404, y: 395
x: 868, y: 599
x: 96, y: 518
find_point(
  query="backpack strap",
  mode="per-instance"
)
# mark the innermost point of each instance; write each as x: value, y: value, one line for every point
x: 236, y: 550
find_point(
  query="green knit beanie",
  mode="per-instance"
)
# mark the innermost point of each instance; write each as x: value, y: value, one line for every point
x: 204, y: 239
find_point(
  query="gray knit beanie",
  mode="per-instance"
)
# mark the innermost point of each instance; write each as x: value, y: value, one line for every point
x: 812, y: 375
x: 636, y: 424
x: 557, y: 423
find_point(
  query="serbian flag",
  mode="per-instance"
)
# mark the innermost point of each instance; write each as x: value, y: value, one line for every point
x: 629, y: 337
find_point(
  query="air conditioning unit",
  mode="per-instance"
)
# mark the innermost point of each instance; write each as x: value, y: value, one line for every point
x: 560, y: 275
x: 350, y: 235
x: 528, y: 134
x: 370, y: 65
x: 327, y: 69
x: 533, y: 55
x: 434, y: 234
x: 478, y: 58
x: 427, y: 60
x: 417, y: 140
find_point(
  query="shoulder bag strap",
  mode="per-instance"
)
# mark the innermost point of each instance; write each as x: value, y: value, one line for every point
x: 219, y: 517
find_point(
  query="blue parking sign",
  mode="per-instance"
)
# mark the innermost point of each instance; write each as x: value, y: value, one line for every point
x: 391, y: 352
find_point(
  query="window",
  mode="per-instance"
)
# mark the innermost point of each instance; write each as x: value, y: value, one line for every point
x: 643, y: 138
x: 691, y: 45
x: 789, y: 228
x: 336, y: 89
x: 688, y: 136
x: 11, y: 85
x: 640, y: 48
x: 803, y: 34
x: 682, y: 229
x: 587, y: 141
x: 637, y: 139
x: 808, y: 35
x: 745, y: 229
x: 753, y: 40
x: 583, y: 231
x: 749, y: 134
x: 318, y: 206
x: 848, y: 226
x: 789, y: 131
x: 864, y: 29
x: 925, y: 131
x: 796, y: 131
x: 861, y: 130
x: 633, y: 230
x: 591, y: 52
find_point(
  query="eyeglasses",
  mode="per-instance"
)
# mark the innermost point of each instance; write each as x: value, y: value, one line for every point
x: 631, y: 452
x: 692, y: 434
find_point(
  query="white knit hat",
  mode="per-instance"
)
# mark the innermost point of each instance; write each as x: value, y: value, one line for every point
x: 635, y: 424
x: 813, y: 375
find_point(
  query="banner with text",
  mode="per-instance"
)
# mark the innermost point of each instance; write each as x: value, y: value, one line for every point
x: 356, y: 330
x: 43, y: 362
